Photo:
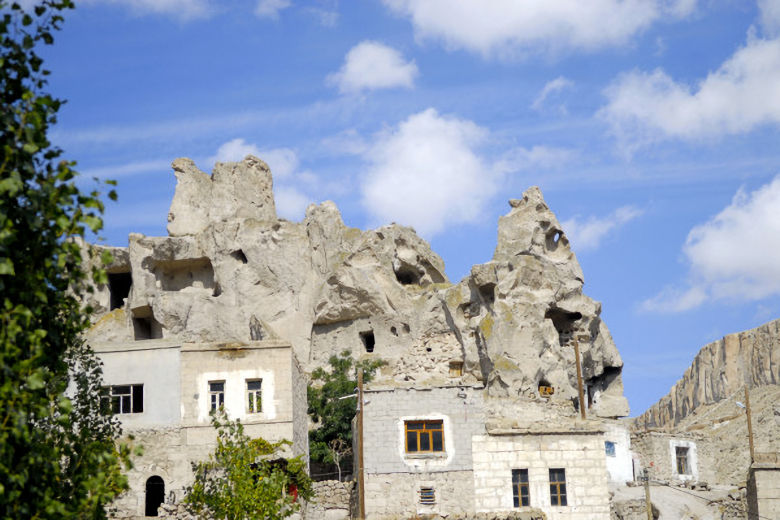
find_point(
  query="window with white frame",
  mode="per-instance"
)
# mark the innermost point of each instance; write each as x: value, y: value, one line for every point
x: 217, y: 394
x: 254, y: 396
x: 120, y: 399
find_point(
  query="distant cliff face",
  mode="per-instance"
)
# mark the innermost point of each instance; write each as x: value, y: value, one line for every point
x: 719, y: 370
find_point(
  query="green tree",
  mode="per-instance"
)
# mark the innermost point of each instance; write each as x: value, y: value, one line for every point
x: 246, y: 478
x: 57, y: 455
x: 332, y: 411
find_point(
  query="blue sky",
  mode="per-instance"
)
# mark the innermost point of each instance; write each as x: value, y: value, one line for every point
x: 651, y: 126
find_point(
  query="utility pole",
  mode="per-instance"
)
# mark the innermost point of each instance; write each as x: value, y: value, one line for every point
x: 648, y: 504
x: 361, y: 473
x: 583, y: 404
x: 750, y: 425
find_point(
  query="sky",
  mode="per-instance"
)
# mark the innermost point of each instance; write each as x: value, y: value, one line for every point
x: 651, y: 126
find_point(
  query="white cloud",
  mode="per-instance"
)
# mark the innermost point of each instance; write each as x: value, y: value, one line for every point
x: 738, y: 97
x: 271, y: 8
x: 427, y: 173
x: 235, y: 150
x: 770, y: 16
x: 734, y: 256
x: 371, y: 65
x: 587, y: 233
x: 182, y: 9
x: 509, y: 26
x: 290, y: 202
x: 558, y: 84
x: 538, y: 156
x: 128, y: 169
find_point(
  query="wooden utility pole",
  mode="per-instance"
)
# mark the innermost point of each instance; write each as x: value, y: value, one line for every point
x: 750, y: 425
x: 361, y: 473
x: 583, y: 404
x: 648, y: 504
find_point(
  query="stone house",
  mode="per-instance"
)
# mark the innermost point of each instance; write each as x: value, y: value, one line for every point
x: 434, y: 450
x: 163, y: 391
x: 674, y: 457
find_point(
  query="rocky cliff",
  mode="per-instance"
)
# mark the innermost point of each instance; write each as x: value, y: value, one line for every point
x: 719, y: 370
x: 231, y: 271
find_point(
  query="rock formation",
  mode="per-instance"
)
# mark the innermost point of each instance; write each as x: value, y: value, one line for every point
x: 231, y: 271
x: 720, y: 369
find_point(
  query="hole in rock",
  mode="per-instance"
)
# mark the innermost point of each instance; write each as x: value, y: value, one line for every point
x: 488, y: 293
x: 368, y: 340
x: 545, y: 388
x: 144, y: 325
x: 407, y: 275
x: 239, y: 255
x: 119, y: 288
x: 564, y: 323
x: 175, y: 275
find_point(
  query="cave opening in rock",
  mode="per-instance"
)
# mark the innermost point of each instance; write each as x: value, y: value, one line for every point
x: 368, y: 340
x: 564, y: 322
x: 407, y: 275
x: 488, y: 293
x: 144, y: 325
x: 239, y: 255
x: 119, y: 288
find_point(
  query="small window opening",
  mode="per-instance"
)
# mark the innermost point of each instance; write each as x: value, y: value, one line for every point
x: 407, y: 275
x: 119, y: 288
x: 393, y: 331
x: 456, y: 368
x: 155, y: 495
x: 591, y: 391
x: 609, y: 448
x: 368, y: 340
x: 427, y: 495
x: 681, y: 454
x: 520, y: 490
x: 239, y: 255
x: 546, y: 389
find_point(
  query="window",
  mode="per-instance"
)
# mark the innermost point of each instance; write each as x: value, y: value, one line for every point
x: 427, y: 495
x: 122, y: 399
x: 520, y: 487
x: 424, y: 436
x: 119, y: 288
x: 609, y: 447
x: 217, y: 394
x: 558, y: 486
x: 254, y: 395
x: 682, y: 460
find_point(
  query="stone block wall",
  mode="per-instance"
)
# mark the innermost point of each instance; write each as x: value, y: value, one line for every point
x: 580, y: 454
x: 331, y: 501
x: 460, y: 408
x: 656, y: 452
x: 763, y: 491
x: 397, y: 495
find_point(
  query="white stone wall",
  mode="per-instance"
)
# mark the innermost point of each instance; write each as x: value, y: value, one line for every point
x: 154, y: 364
x: 620, y: 466
x: 396, y: 495
x: 693, y: 459
x: 581, y: 455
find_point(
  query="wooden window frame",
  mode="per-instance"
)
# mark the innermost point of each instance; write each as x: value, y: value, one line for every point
x: 682, y: 454
x: 427, y: 495
x: 428, y: 428
x: 558, y: 487
x: 521, y: 490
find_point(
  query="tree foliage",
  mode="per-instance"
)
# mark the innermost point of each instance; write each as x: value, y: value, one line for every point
x: 331, y: 414
x: 57, y: 455
x: 246, y: 478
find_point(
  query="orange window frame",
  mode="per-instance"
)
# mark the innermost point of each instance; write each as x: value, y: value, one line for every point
x: 423, y: 430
